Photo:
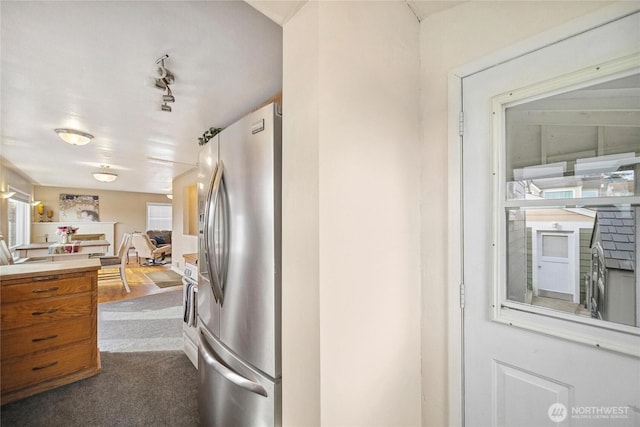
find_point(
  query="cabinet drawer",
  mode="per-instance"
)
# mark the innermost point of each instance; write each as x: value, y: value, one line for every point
x: 45, y: 287
x: 29, y: 370
x: 27, y: 313
x: 18, y: 342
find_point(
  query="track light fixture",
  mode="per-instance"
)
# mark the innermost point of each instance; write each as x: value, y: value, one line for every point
x: 164, y: 79
x: 168, y: 97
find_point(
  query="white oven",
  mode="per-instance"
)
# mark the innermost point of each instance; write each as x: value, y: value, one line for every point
x: 190, y: 305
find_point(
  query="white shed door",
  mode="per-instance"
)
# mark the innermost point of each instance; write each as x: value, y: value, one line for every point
x: 554, y: 267
x: 516, y: 375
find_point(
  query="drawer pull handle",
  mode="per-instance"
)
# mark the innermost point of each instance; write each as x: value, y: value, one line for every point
x: 37, y: 368
x: 45, y: 278
x: 40, y: 291
x: 50, y: 337
x: 38, y: 313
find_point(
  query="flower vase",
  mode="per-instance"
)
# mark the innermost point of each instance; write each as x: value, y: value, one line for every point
x: 64, y: 238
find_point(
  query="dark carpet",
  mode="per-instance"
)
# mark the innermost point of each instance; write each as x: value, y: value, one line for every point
x: 165, y: 279
x: 133, y: 389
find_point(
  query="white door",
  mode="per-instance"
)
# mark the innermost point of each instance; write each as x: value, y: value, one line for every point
x: 526, y: 365
x: 555, y: 272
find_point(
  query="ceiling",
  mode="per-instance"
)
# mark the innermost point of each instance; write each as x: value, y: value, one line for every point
x: 91, y: 66
x: 281, y: 11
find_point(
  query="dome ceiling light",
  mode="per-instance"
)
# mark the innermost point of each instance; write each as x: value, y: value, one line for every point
x: 74, y: 137
x: 104, y: 175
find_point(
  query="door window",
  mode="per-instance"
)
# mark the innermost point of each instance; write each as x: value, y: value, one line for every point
x: 568, y: 159
x: 555, y: 246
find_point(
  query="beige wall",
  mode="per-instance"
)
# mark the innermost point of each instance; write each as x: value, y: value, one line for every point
x: 449, y: 40
x: 557, y: 215
x: 127, y: 209
x: 182, y: 242
x: 351, y: 225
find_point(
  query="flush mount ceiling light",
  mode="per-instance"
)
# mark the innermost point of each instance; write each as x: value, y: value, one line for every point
x: 104, y: 175
x: 74, y: 137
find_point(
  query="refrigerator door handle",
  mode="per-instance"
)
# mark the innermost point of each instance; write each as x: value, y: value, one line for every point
x: 225, y: 236
x: 227, y: 373
x: 213, y: 197
x: 219, y: 213
x: 206, y: 234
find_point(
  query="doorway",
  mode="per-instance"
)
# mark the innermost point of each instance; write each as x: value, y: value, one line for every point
x: 540, y: 124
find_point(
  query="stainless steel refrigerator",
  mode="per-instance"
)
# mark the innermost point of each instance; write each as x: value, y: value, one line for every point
x: 239, y: 283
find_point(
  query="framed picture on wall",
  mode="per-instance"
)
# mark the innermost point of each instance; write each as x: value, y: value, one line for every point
x: 79, y: 207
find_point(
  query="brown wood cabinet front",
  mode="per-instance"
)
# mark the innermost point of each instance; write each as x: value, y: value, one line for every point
x: 48, y: 332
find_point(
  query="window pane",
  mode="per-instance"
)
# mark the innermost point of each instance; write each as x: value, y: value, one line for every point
x: 18, y: 216
x: 608, y: 184
x: 574, y: 257
x: 578, y: 144
x: 576, y: 260
x: 159, y: 216
x: 558, y: 194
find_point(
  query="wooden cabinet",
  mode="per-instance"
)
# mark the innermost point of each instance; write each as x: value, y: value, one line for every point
x: 48, y: 326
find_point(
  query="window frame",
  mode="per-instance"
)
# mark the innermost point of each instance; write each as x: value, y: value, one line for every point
x: 23, y: 197
x: 150, y: 205
x: 594, y: 332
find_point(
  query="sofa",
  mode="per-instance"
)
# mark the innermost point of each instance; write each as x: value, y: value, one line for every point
x: 159, y: 237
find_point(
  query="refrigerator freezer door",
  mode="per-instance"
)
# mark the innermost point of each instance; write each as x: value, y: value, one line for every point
x: 250, y: 313
x: 208, y: 310
x: 231, y: 393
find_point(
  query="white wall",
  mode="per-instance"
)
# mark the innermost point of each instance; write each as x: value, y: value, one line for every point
x: 448, y: 40
x: 351, y: 290
x: 300, y: 221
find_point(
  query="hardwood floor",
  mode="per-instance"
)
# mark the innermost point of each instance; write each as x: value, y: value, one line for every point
x: 110, y: 287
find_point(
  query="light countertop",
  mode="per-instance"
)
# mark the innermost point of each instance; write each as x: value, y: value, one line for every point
x: 29, y: 269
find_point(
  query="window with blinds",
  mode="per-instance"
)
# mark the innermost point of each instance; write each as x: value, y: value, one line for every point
x: 159, y: 216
